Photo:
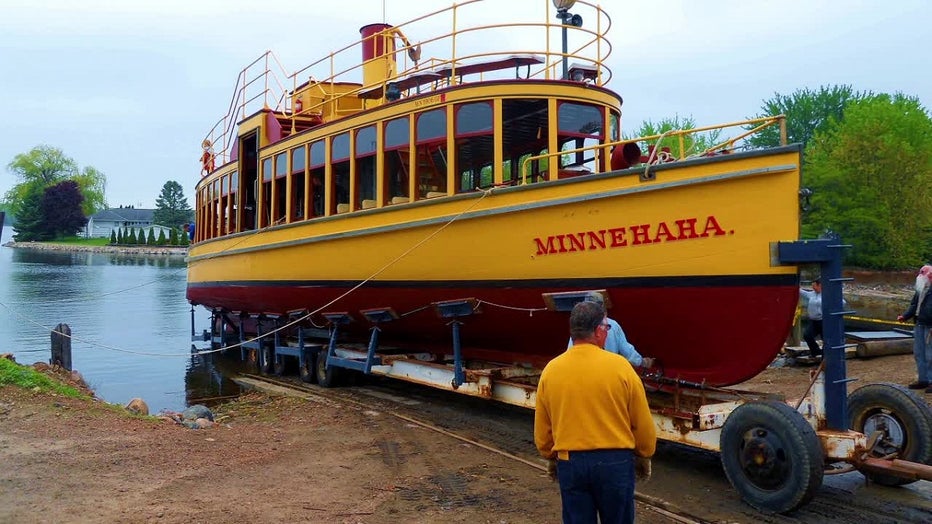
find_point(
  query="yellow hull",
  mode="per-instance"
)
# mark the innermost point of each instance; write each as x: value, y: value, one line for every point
x: 717, y: 217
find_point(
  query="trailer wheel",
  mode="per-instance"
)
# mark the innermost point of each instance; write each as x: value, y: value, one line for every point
x: 326, y: 377
x: 904, y: 419
x: 771, y: 456
x: 278, y: 365
x: 266, y: 356
x: 252, y: 359
x: 307, y: 371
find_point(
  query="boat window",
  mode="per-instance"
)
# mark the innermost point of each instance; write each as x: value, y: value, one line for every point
x: 365, y: 168
x: 580, y: 126
x: 266, y: 193
x: 298, y: 156
x: 614, y: 129
x: 397, y: 132
x: 432, y: 124
x: 215, y: 207
x: 340, y: 167
x: 280, y: 187
x: 317, y: 178
x: 339, y: 147
x: 431, y: 153
x: 525, y: 134
x: 396, y: 159
x: 474, y: 146
x: 234, y: 202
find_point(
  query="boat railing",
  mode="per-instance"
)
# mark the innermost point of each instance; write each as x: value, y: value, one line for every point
x: 657, y: 149
x: 451, y: 46
x: 258, y: 81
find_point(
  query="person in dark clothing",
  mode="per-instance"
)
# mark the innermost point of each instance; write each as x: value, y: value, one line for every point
x: 814, y: 312
x: 920, y: 308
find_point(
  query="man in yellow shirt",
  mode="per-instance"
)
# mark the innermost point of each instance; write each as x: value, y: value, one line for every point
x: 592, y: 417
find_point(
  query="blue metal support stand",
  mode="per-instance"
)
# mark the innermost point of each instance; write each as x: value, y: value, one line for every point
x: 458, y: 376
x: 828, y: 254
x: 254, y: 344
x: 215, y: 337
x: 336, y: 320
x: 455, y: 309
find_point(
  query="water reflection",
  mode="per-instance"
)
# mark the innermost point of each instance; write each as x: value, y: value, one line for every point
x: 207, y: 378
x: 128, y: 315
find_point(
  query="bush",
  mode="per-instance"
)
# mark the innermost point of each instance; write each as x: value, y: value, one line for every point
x: 162, y: 239
x: 150, y: 240
x: 113, y: 237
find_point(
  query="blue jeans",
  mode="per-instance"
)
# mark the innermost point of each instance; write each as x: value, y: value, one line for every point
x: 922, y: 351
x: 599, y: 481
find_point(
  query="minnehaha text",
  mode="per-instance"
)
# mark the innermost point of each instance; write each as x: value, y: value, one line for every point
x: 683, y: 229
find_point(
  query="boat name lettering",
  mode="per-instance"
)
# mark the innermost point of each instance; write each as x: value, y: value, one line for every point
x: 430, y: 100
x: 682, y: 229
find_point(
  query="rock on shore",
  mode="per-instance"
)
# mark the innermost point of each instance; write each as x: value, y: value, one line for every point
x: 123, y: 250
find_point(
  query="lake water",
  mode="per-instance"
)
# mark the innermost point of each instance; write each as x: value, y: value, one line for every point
x: 130, y: 323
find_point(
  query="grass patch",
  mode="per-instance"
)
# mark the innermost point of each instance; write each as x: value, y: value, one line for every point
x: 81, y: 241
x: 28, y: 378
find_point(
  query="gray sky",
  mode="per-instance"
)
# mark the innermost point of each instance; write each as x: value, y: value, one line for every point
x: 131, y: 87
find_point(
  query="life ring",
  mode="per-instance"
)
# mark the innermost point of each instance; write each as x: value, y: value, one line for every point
x: 207, y: 158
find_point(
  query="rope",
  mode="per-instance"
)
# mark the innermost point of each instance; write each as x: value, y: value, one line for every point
x: 485, y: 193
x: 530, y: 310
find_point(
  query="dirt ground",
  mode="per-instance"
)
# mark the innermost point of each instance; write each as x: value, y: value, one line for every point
x: 288, y: 460
x: 279, y: 459
x: 267, y: 460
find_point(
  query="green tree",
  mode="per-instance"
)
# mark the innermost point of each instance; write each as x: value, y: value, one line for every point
x: 45, y: 166
x: 173, y: 237
x: 113, y: 237
x: 872, y: 180
x: 692, y: 143
x: 132, y: 236
x: 120, y: 236
x: 150, y: 239
x: 183, y: 239
x: 162, y: 240
x: 807, y: 112
x: 29, y: 223
x: 171, y: 207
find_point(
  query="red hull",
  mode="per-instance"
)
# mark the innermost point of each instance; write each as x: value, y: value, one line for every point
x: 718, y: 330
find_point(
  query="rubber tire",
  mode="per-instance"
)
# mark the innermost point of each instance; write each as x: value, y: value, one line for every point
x: 252, y: 359
x: 908, y: 409
x: 279, y: 365
x: 326, y: 377
x: 308, y: 373
x: 796, y: 450
x: 266, y: 356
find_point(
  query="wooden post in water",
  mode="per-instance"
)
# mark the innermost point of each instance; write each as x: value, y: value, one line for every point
x: 61, y: 346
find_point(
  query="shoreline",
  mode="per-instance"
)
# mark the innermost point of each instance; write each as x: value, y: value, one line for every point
x: 120, y: 250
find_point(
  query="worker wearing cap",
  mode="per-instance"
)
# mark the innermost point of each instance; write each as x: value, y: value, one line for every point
x: 616, y: 341
x: 593, y: 423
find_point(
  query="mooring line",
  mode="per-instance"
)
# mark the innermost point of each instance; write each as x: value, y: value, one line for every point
x: 651, y: 503
x: 485, y: 193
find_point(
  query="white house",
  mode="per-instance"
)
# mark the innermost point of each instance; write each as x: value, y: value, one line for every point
x: 102, y: 223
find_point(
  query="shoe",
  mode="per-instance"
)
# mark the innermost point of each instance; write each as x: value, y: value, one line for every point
x: 918, y: 385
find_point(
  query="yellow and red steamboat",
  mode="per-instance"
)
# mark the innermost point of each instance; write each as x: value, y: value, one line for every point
x: 452, y: 168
